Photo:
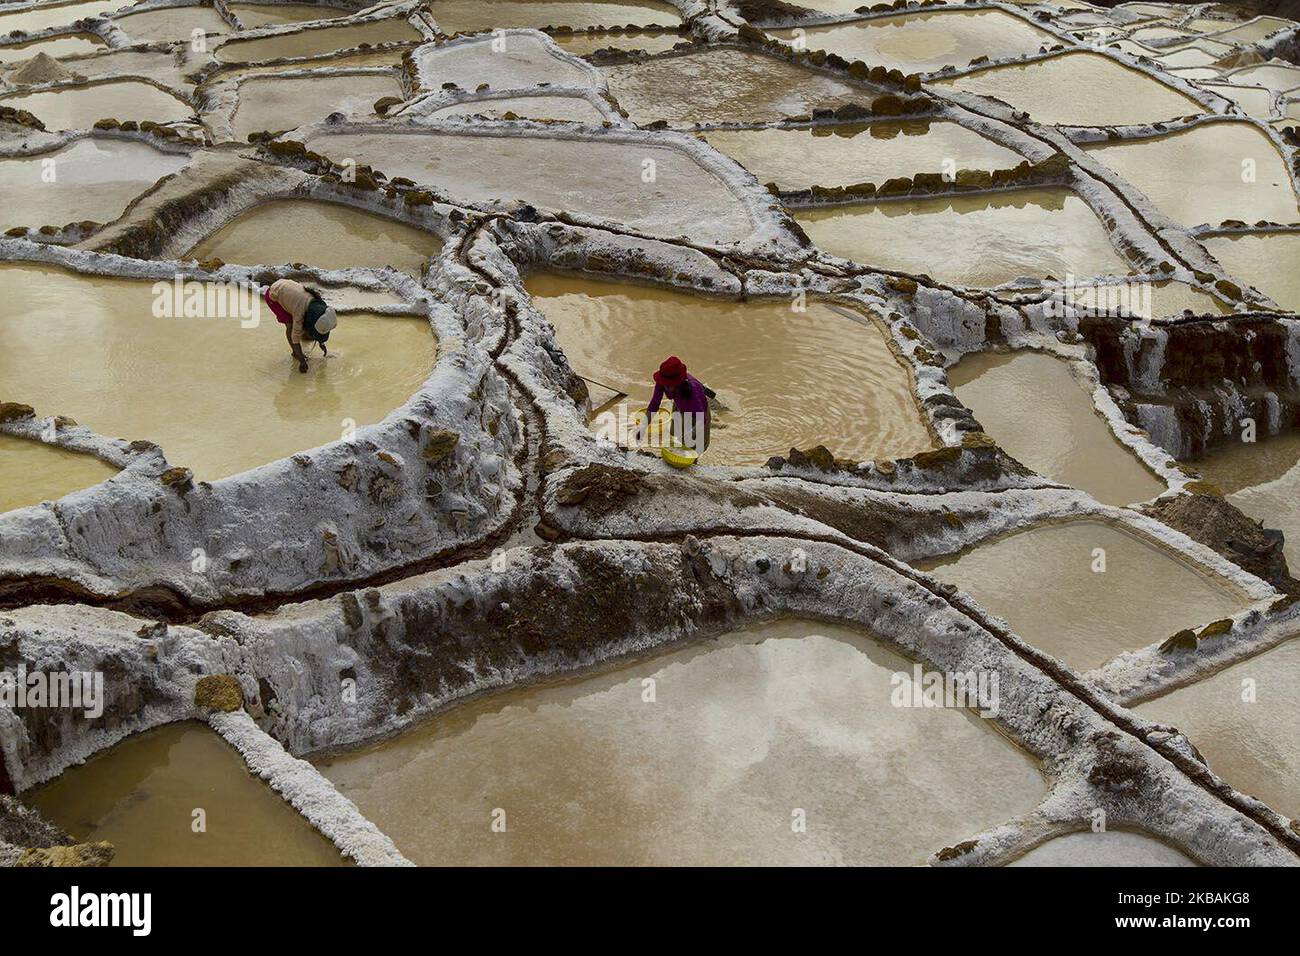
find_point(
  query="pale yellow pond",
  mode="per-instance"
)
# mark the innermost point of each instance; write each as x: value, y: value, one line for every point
x: 1267, y: 261
x: 32, y: 471
x: 79, y: 107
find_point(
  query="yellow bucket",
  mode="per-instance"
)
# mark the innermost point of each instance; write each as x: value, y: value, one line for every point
x: 679, y: 456
x: 659, y: 428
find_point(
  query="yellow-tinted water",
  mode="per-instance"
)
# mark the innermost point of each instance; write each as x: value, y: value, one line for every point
x: 145, y: 794
x: 1030, y: 403
x: 57, y: 47
x: 980, y: 240
x: 1268, y: 262
x: 580, y: 44
x: 784, y: 379
x: 278, y: 103
x: 1208, y: 173
x: 172, y: 24
x: 79, y: 107
x: 44, y: 17
x: 472, y: 16
x: 1043, y: 583
x: 1245, y: 721
x: 1079, y: 89
x: 1278, y: 77
x: 1254, y: 101
x: 576, y: 109
x: 323, y: 235
x: 316, y: 42
x: 218, y: 397
x: 32, y: 472
x: 90, y: 179
x: 841, y: 155
x: 746, y: 737
x: 255, y: 15
x: 920, y: 42
x: 1107, y: 848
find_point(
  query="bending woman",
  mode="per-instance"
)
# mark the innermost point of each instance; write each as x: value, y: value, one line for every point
x: 303, y: 313
x: 691, y: 413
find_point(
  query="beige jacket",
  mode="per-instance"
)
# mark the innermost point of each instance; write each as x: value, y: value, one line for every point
x: 294, y: 298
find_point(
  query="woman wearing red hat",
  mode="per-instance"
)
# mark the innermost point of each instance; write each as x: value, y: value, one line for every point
x: 690, y: 397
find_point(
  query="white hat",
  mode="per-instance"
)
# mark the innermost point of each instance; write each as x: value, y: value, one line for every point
x: 327, y: 321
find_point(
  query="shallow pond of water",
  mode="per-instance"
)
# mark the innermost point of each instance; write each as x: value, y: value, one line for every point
x: 1251, y: 32
x: 842, y: 155
x: 1278, y: 77
x: 32, y: 472
x: 1030, y: 403
x: 1266, y: 261
x: 581, y: 44
x: 255, y: 15
x: 279, y: 103
x: 1253, y: 100
x: 744, y: 731
x: 307, y: 43
x: 1245, y: 721
x: 57, y: 47
x: 1107, y: 848
x: 93, y: 179
x: 63, y: 14
x: 218, y: 397
x: 142, y: 794
x: 512, y: 62
x: 323, y: 235
x: 784, y: 378
x: 1079, y: 89
x: 472, y: 16
x: 1043, y: 583
x: 575, y: 109
x: 1208, y: 173
x: 982, y: 240
x: 172, y: 24
x: 723, y: 86
x: 921, y: 42
x: 79, y: 107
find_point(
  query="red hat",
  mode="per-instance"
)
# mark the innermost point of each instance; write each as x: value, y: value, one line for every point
x: 671, y: 373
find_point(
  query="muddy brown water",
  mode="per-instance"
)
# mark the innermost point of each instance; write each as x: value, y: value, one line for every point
x: 218, y: 397
x: 255, y: 15
x: 1107, y: 848
x: 1201, y: 174
x: 1245, y: 721
x: 56, y: 47
x: 1079, y: 89
x: 986, y: 240
x: 723, y: 86
x: 172, y: 24
x: 276, y: 103
x: 875, y: 152
x: 79, y: 107
x: 472, y: 16
x: 1030, y: 403
x: 1262, y: 478
x: 1042, y: 582
x: 1266, y: 261
x: 784, y: 379
x: 306, y: 43
x: 32, y: 472
x: 142, y: 794
x: 743, y: 733
x: 324, y: 235
x: 92, y: 179
x: 921, y: 42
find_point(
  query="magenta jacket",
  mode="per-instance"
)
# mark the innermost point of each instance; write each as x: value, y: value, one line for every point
x: 697, y: 402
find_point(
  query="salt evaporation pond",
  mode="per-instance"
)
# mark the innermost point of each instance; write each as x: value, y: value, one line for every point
x: 1198, y: 174
x: 986, y: 240
x: 473, y: 16
x: 1245, y: 721
x: 744, y: 732
x: 323, y: 235
x: 255, y: 15
x: 581, y: 44
x: 57, y: 47
x: 269, y: 102
x: 95, y: 180
x: 141, y: 796
x: 44, y: 17
x: 784, y: 378
x: 1277, y: 76
x: 1042, y: 582
x: 576, y: 109
x: 81, y: 106
x: 172, y: 24
x: 311, y: 43
x: 858, y: 153
x: 1106, y: 848
x: 723, y: 86
x: 1030, y: 403
x: 32, y: 471
x: 921, y: 42
x: 91, y: 348
x: 1079, y: 89
x: 1266, y: 261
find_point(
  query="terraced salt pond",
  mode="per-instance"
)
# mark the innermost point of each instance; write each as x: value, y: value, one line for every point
x: 142, y: 795
x: 323, y: 235
x: 1245, y: 721
x: 744, y: 731
x: 172, y: 24
x: 539, y: 170
x: 581, y: 44
x: 79, y: 107
x: 1266, y: 261
x: 473, y: 16
x: 986, y: 239
x: 268, y: 102
x: 875, y: 152
x: 92, y: 179
x: 1262, y: 478
x: 723, y: 86
x: 255, y: 15
x: 32, y: 471
x: 574, y: 109
x: 784, y: 379
x: 1277, y: 76
x: 921, y: 42
x: 315, y: 42
x: 50, y: 15
x: 1043, y: 583
x: 1107, y: 848
x: 1208, y: 173
x: 1030, y: 403
x: 1079, y: 89
x: 218, y: 397
x: 56, y: 47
